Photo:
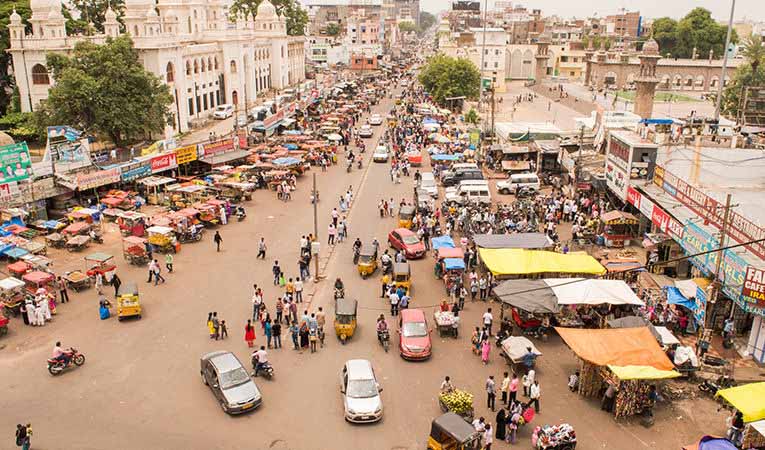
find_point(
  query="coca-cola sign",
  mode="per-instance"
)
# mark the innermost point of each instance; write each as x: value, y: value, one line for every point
x: 164, y: 162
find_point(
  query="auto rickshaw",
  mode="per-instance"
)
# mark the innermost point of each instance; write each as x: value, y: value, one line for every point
x: 128, y: 301
x: 452, y: 432
x: 405, y: 215
x: 12, y: 295
x: 402, y: 275
x: 367, y: 260
x: 345, y: 318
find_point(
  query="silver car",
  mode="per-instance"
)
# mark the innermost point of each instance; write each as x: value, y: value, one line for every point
x: 229, y: 382
x: 361, y: 392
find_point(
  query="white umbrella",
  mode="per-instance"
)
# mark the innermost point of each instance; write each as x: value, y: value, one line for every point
x: 334, y: 137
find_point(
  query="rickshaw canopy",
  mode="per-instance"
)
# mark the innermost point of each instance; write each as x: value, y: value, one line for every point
x: 448, y: 252
x: 367, y: 250
x: 406, y: 211
x: 10, y: 283
x: 159, y: 230
x: 454, y: 264
x: 453, y: 426
x: 129, y: 288
x: 345, y: 307
x: 134, y: 240
x: 38, y: 277
x: 99, y: 257
x: 401, y: 269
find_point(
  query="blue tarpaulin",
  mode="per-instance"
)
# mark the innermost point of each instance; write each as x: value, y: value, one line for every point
x: 15, y: 252
x: 445, y: 157
x: 290, y: 146
x: 288, y: 161
x: 657, y: 121
x: 292, y: 133
x: 454, y: 263
x: 442, y: 242
x: 674, y: 297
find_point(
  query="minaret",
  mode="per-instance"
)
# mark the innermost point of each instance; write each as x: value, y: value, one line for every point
x: 16, y: 28
x: 542, y: 56
x: 588, y: 54
x: 646, y: 82
x: 111, y: 26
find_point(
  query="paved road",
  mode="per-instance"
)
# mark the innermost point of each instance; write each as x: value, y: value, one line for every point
x: 140, y: 386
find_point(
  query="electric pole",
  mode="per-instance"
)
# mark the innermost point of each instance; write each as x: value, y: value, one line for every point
x: 721, y: 83
x: 315, y: 229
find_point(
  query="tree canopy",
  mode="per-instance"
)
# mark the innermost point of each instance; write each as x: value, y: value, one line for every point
x: 7, y: 82
x: 751, y: 74
x: 297, y: 17
x: 104, y: 89
x: 696, y: 30
x: 332, y: 29
x: 94, y: 11
x: 408, y: 27
x: 444, y: 77
x: 427, y: 20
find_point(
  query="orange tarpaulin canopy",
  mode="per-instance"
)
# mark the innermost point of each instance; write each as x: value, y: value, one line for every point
x: 616, y: 346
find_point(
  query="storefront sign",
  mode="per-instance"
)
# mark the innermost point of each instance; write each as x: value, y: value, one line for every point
x: 186, y: 154
x: 15, y: 163
x: 700, y: 311
x: 616, y: 179
x: 8, y: 191
x: 619, y: 152
x: 658, y: 216
x: 754, y: 285
x: 216, y: 147
x: 98, y: 178
x: 163, y: 162
x: 134, y: 171
x: 272, y: 120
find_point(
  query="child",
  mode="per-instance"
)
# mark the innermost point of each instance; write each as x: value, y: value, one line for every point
x: 223, y: 330
x: 573, y: 381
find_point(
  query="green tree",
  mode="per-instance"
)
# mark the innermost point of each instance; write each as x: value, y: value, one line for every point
x: 408, y: 27
x: 93, y: 11
x: 754, y: 51
x: 699, y: 30
x: 297, y: 17
x: 104, y: 89
x: 444, y: 77
x: 748, y: 75
x: 665, y: 34
x: 332, y: 29
x: 7, y: 82
x: 472, y: 117
x: 427, y: 20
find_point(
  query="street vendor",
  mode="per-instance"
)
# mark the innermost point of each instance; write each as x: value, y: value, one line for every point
x: 446, y: 385
x: 444, y: 306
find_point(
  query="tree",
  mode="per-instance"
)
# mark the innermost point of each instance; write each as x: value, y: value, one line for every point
x: 472, y: 117
x: 94, y: 11
x: 754, y: 51
x: 7, y: 82
x: 444, y: 77
x: 751, y: 74
x: 105, y: 89
x: 332, y: 29
x: 297, y: 17
x: 408, y: 27
x: 427, y: 20
x: 700, y: 31
x: 665, y: 34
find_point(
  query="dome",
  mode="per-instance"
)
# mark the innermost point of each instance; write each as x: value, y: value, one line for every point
x: 41, y: 5
x: 171, y: 16
x: 5, y: 139
x: 651, y: 47
x: 266, y: 10
x: 15, y: 17
x: 55, y: 13
x: 139, y: 5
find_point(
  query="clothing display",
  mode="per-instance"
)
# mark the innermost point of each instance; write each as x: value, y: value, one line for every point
x: 551, y: 436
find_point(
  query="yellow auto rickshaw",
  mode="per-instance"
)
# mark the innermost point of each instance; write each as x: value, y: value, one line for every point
x: 452, y: 432
x: 402, y: 275
x: 405, y: 216
x: 367, y: 263
x: 345, y: 318
x: 128, y: 302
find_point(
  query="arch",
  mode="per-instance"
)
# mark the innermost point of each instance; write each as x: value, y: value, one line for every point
x: 215, y: 60
x: 196, y: 66
x: 188, y: 68
x: 135, y: 30
x: 235, y: 97
x: 232, y: 65
x: 170, y: 73
x: 665, y: 82
x: 677, y: 81
x: 611, y: 78
x: 210, y: 63
x: 195, y: 14
x: 699, y: 83
x: 40, y: 75
x: 713, y: 81
x: 688, y: 82
x: 203, y: 69
x: 527, y: 64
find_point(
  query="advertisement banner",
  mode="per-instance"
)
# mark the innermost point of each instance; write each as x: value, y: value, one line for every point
x: 163, y: 162
x: 98, y: 178
x: 134, y: 171
x: 700, y: 311
x: 15, y: 163
x: 663, y: 221
x: 213, y: 148
x: 186, y: 154
x: 754, y: 285
x: 616, y: 179
x: 8, y: 192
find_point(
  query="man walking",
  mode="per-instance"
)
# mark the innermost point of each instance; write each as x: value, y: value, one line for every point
x: 169, y: 262
x: 534, y: 394
x: 261, y: 249
x: 217, y: 239
x: 298, y: 287
x: 505, y: 387
x: 393, y: 296
x: 277, y: 271
x: 491, y: 392
x: 488, y: 318
x: 157, y: 273
x: 63, y: 294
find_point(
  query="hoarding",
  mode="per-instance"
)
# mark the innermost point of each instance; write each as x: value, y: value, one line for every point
x: 15, y: 163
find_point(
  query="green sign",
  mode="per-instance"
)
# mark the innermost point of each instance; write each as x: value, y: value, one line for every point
x: 486, y: 83
x: 15, y: 164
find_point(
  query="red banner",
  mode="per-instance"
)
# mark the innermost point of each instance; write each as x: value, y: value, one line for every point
x: 164, y: 162
x: 216, y: 147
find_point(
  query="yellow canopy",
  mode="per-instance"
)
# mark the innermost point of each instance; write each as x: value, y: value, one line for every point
x: 514, y: 261
x: 642, y: 373
x: 749, y: 399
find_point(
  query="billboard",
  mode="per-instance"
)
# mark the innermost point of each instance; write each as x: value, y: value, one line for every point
x: 466, y: 5
x: 15, y: 163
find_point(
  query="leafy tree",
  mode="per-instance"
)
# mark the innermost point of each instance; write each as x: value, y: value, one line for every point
x: 297, y: 17
x: 407, y: 27
x: 698, y: 29
x: 754, y: 51
x: 750, y: 74
x: 94, y: 11
x: 444, y: 77
x: 427, y: 20
x: 76, y: 26
x: 6, y: 79
x: 472, y: 117
x: 332, y: 29
x: 105, y: 89
x: 665, y: 34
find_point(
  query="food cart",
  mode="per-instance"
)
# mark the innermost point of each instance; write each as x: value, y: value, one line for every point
x: 128, y: 301
x: 36, y: 279
x: 77, y: 243
x: 555, y: 437
x: 77, y: 280
x: 34, y: 247
x: 18, y: 269
x: 134, y: 250
x: 155, y: 192
x: 38, y: 262
x: 132, y: 223
x: 162, y: 239
x: 619, y: 228
x: 101, y: 263
x: 447, y: 323
x: 77, y: 229
x: 458, y: 402
x: 12, y: 295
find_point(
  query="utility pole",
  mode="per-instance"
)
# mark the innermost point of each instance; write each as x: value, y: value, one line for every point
x: 579, y: 156
x: 483, y: 52
x: 492, y: 112
x: 725, y: 62
x: 717, y: 284
x: 315, y: 229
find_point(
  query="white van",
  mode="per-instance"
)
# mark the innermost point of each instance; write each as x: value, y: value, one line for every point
x: 453, y: 189
x: 517, y: 181
x: 428, y: 183
x: 470, y: 194
x: 223, y: 111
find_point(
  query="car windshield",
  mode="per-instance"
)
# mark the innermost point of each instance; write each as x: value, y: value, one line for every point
x: 411, y: 239
x: 414, y: 329
x: 233, y: 378
x: 361, y: 389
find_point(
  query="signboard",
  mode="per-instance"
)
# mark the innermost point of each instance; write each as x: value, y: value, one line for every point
x: 98, y: 178
x: 216, y: 147
x: 15, y: 163
x: 466, y: 5
x: 186, y: 154
x: 137, y: 170
x: 616, y: 179
x: 658, y: 216
x: 66, y: 149
x: 754, y: 285
x: 272, y: 120
x: 700, y: 310
x: 8, y: 192
x: 163, y: 162
x: 753, y: 106
x: 619, y: 152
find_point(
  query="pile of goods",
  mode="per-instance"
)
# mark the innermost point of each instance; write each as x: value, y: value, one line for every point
x: 551, y: 436
x: 444, y: 317
x: 457, y: 401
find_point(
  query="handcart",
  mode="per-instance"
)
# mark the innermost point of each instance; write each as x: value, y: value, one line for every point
x: 134, y: 250
x: 100, y: 263
x: 35, y: 248
x: 447, y: 323
x: 554, y: 437
x: 55, y: 240
x: 77, y: 280
x: 458, y: 402
x: 12, y: 295
x: 162, y: 239
x: 18, y: 269
x: 520, y: 352
x: 3, y: 324
x: 36, y: 280
x: 77, y: 243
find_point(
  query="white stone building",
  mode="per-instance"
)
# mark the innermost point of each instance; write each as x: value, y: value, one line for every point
x: 206, y: 56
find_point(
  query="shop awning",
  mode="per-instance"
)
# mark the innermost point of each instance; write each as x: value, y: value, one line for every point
x: 532, y: 296
x: 222, y: 158
x: 526, y: 262
x: 749, y: 399
x: 675, y: 297
x: 592, y: 292
x: 454, y: 264
x: 642, y: 373
x: 617, y: 346
x: 516, y: 240
x: 442, y: 241
x: 617, y: 216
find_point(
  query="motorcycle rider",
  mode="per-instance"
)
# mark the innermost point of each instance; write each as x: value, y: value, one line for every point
x: 386, y: 261
x: 356, y: 250
x: 260, y: 357
x: 382, y: 326
x: 59, y: 354
x: 339, y: 287
x: 376, y: 246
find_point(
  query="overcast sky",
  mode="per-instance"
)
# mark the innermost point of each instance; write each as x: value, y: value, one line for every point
x: 750, y: 9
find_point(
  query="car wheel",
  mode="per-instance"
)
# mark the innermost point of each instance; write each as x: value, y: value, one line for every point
x: 204, y: 380
x: 504, y: 191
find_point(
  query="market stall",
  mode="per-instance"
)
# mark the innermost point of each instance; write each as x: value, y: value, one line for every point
x: 619, y: 228
x: 156, y: 194
x: 507, y: 263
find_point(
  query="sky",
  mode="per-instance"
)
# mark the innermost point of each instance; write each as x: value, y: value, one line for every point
x: 750, y: 9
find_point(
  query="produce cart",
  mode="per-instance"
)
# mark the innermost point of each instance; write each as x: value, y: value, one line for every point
x: 3, y: 324
x: 55, y: 240
x: 447, y: 324
x: 515, y: 349
x: 77, y: 229
x: 38, y: 262
x: 35, y: 248
x: 77, y: 243
x: 36, y: 279
x: 12, y: 295
x: 77, y: 280
x: 134, y: 250
x: 101, y: 263
x: 18, y: 269
x: 162, y: 239
x: 458, y: 402
x: 554, y: 437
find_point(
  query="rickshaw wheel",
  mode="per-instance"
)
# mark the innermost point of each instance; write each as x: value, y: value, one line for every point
x: 343, y: 339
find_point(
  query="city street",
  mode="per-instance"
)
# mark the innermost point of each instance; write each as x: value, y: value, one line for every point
x: 140, y: 387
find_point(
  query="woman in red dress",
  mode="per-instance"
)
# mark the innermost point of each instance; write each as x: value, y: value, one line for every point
x: 249, y: 333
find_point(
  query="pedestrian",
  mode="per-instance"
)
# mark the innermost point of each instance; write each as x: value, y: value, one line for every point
x: 100, y: 282
x: 573, y: 381
x: 217, y: 239
x: 505, y: 387
x: 393, y: 296
x: 475, y: 341
x: 534, y: 395
x: 63, y: 294
x: 483, y: 287
x: 169, y: 262
x: 216, y: 326
x: 501, y: 426
x: 267, y: 331
x: 249, y: 333
x: 513, y: 389
x: 277, y: 271
x: 298, y: 287
x: 116, y: 282
x: 151, y: 270
x: 210, y: 325
x: 527, y: 381
x: 223, y: 330
x: 294, y: 332
x: 385, y: 280
x: 261, y: 249
x: 157, y: 273
x: 276, y: 334
x: 485, y: 350
x: 488, y: 437
x: 491, y: 392
x: 279, y: 310
x: 22, y: 438
x: 331, y: 230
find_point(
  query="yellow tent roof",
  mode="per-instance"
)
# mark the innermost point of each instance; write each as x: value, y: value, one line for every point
x: 749, y: 399
x: 642, y: 373
x: 514, y: 261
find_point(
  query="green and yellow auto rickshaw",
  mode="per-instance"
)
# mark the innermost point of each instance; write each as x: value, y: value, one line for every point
x: 405, y: 216
x: 345, y: 318
x: 451, y: 432
x: 402, y: 275
x: 367, y: 262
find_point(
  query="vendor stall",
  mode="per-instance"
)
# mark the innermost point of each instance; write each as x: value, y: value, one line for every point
x: 619, y: 228
x: 508, y: 263
x: 155, y: 189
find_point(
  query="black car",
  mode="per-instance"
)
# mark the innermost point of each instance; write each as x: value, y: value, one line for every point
x: 453, y: 179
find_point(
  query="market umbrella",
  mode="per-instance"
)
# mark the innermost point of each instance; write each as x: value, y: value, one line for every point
x: 334, y: 137
x: 441, y: 139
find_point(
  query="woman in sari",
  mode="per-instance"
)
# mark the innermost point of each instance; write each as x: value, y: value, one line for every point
x: 249, y: 333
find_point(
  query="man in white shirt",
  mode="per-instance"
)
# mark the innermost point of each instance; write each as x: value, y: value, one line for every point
x: 298, y: 285
x: 488, y: 318
x: 534, y: 394
x: 393, y: 296
x: 261, y: 356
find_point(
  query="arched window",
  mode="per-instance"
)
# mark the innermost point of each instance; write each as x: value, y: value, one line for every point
x: 216, y: 62
x: 196, y: 66
x: 135, y: 30
x: 188, y: 68
x: 195, y: 13
x: 40, y: 74
x: 204, y: 66
x: 209, y: 63
x: 170, y: 73
x: 233, y: 66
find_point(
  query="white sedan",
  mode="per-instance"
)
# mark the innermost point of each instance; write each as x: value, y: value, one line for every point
x: 380, y: 154
x: 366, y: 131
x: 375, y: 119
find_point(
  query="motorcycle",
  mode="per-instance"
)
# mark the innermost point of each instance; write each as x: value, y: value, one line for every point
x: 387, y: 267
x: 97, y: 238
x: 384, y: 338
x: 356, y: 253
x: 711, y: 387
x: 501, y: 336
x: 73, y: 357
x: 349, y: 166
x: 359, y: 163
x: 240, y: 214
x: 193, y: 235
x: 266, y: 369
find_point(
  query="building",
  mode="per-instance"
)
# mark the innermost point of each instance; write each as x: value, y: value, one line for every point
x: 204, y: 55
x: 406, y: 11
x: 624, y: 24
x: 487, y: 49
x: 568, y: 61
x: 327, y: 50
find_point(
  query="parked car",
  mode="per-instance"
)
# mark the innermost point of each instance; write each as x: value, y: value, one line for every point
x: 241, y: 121
x: 366, y: 131
x: 223, y: 111
x: 381, y: 154
x: 230, y: 382
x: 414, y: 335
x: 520, y: 181
x: 408, y: 242
x: 375, y: 119
x: 454, y: 178
x: 361, y: 392
x: 428, y: 183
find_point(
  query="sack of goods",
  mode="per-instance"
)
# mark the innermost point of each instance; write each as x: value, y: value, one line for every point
x: 457, y: 401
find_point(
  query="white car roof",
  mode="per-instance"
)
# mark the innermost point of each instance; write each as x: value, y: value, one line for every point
x: 359, y: 369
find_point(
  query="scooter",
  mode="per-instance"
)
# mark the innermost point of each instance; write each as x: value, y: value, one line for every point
x: 711, y: 387
x: 339, y: 293
x: 387, y: 267
x: 240, y: 214
x: 74, y: 358
x: 384, y: 338
x: 266, y: 369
